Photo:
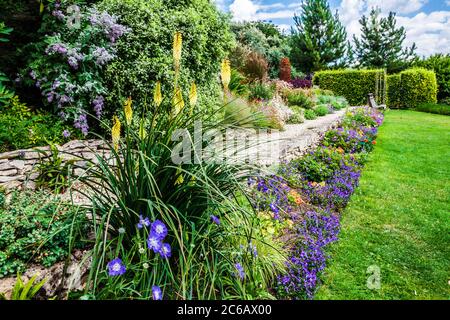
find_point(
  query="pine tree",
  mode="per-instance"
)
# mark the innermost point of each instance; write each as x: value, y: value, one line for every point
x: 381, y: 43
x: 319, y: 39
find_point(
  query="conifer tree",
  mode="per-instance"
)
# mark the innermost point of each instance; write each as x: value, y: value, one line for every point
x: 381, y: 43
x: 318, y: 40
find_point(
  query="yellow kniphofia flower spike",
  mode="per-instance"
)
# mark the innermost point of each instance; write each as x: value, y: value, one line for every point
x: 128, y: 111
x: 226, y: 73
x: 177, y: 45
x: 193, y: 95
x: 157, y: 95
x: 115, y: 133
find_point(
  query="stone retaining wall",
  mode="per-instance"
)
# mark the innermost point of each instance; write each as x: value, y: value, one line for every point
x: 18, y: 168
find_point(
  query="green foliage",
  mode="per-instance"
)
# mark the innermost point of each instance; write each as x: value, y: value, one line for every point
x: 4, y: 32
x: 5, y: 93
x: 394, y: 91
x: 381, y: 43
x: 440, y: 64
x: 320, y: 165
x: 443, y: 109
x: 261, y: 91
x: 145, y: 54
x: 319, y: 38
x: 21, y: 128
x: 35, y: 227
x: 321, y: 110
x: 354, y: 85
x: 310, y: 114
x: 358, y: 118
x: 265, y: 39
x: 25, y: 291
x: 237, y: 84
x: 54, y: 174
x: 417, y: 86
x: 300, y: 99
x: 298, y: 116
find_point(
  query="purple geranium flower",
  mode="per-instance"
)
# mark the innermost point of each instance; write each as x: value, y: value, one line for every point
x: 215, y: 219
x: 143, y: 222
x: 154, y: 242
x: 159, y: 229
x: 240, y: 269
x: 66, y: 133
x: 116, y: 267
x: 165, y: 251
x: 156, y: 293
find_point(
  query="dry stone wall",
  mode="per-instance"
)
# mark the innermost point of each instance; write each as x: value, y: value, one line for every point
x: 18, y: 169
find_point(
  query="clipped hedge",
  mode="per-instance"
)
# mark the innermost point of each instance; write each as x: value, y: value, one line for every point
x: 418, y: 86
x: 394, y: 95
x: 354, y: 85
x: 411, y: 88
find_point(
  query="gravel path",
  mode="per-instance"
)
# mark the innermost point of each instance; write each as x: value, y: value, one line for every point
x: 266, y: 149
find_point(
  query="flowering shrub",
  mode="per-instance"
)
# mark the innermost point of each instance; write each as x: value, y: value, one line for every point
x: 68, y: 65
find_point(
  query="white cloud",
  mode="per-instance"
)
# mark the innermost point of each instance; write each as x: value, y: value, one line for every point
x: 252, y: 10
x: 431, y: 32
x: 244, y: 10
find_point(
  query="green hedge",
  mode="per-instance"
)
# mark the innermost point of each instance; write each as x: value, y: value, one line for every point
x: 394, y: 96
x: 418, y: 86
x: 411, y: 88
x: 440, y: 64
x: 354, y: 85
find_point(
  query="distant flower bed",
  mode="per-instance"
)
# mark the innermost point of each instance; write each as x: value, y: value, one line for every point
x: 308, y: 194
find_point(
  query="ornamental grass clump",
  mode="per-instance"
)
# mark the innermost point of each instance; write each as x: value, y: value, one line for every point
x: 169, y: 221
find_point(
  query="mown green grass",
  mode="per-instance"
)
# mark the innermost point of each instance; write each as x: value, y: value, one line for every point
x: 399, y: 217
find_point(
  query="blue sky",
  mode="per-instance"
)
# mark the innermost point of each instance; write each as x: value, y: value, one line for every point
x: 427, y: 22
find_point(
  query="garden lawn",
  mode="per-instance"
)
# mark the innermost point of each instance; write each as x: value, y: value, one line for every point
x: 399, y: 217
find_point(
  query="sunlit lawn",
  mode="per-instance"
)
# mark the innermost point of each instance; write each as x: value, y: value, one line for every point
x: 399, y: 217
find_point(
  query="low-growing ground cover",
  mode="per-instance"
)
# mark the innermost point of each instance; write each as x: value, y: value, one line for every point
x: 398, y: 219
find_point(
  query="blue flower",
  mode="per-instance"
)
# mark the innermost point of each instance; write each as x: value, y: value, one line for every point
x: 154, y: 242
x: 116, y: 267
x: 240, y: 269
x: 165, y: 251
x: 274, y: 208
x: 143, y: 222
x: 159, y: 229
x: 156, y: 293
x: 215, y: 219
